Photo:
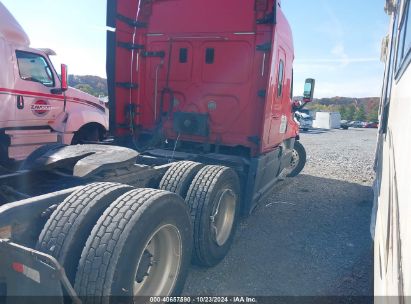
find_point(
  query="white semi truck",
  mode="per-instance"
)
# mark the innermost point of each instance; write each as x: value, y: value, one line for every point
x: 36, y: 106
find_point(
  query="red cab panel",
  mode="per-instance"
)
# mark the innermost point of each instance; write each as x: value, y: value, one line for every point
x: 205, y: 71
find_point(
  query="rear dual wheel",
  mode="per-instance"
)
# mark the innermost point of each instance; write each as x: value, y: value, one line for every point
x: 213, y: 195
x: 179, y: 177
x: 140, y: 246
x: 117, y: 242
x: 69, y: 226
x: 214, y: 202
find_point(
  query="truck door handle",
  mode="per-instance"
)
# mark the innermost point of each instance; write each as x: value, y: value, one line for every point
x: 20, y: 102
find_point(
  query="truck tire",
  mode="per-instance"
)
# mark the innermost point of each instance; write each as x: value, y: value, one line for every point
x: 179, y: 177
x: 86, y: 134
x: 30, y: 162
x: 69, y: 226
x: 298, y: 160
x: 214, y: 201
x: 140, y: 246
x: 5, y: 161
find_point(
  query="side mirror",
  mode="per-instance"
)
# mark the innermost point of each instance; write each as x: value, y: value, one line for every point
x: 64, y: 78
x: 309, y: 90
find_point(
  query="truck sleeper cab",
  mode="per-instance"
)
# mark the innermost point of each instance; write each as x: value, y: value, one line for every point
x: 33, y: 109
x: 225, y: 82
x: 219, y: 89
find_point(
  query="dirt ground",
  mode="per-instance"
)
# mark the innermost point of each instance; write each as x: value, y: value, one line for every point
x: 311, y: 238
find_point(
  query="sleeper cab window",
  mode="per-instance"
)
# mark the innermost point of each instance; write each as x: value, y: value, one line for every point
x: 280, y: 78
x: 183, y: 55
x: 209, y: 56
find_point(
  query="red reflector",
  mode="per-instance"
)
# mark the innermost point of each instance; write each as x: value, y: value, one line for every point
x: 18, y: 267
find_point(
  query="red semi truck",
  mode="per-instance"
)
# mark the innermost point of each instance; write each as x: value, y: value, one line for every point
x: 201, y: 112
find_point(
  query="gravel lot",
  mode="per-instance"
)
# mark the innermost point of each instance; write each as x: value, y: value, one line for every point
x: 312, y: 236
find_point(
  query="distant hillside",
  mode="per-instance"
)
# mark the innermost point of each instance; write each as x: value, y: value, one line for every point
x: 350, y: 108
x: 93, y: 85
x: 368, y: 102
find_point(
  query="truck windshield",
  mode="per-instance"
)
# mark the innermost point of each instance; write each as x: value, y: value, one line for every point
x: 34, y: 67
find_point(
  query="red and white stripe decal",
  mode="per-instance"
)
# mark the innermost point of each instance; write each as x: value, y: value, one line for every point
x: 30, y: 273
x: 52, y: 97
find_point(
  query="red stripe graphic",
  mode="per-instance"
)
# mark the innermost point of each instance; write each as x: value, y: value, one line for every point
x: 52, y: 96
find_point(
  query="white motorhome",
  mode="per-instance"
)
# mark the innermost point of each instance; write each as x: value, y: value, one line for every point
x: 392, y: 205
x: 36, y: 107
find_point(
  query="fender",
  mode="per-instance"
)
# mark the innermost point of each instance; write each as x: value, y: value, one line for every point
x: 78, y: 119
x: 72, y: 122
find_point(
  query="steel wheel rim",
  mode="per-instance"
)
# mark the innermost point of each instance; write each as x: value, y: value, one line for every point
x: 165, y: 248
x: 223, y: 217
x: 294, y: 159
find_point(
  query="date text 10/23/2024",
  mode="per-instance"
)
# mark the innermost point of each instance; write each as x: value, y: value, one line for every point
x: 203, y: 299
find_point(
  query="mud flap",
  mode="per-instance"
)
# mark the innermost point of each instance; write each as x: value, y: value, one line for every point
x: 31, y: 276
x: 262, y: 176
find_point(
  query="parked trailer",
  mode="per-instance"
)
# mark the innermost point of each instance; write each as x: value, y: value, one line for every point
x: 207, y: 111
x: 327, y: 120
x: 392, y: 238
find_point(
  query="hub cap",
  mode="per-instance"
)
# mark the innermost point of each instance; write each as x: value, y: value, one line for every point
x: 159, y: 264
x: 223, y: 216
x: 294, y: 159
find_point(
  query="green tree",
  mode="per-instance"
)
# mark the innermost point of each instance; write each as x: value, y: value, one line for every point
x: 350, y: 112
x: 343, y: 112
x: 86, y: 88
x: 373, y: 114
x: 360, y: 113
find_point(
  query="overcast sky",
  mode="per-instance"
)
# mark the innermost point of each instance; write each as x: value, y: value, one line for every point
x: 337, y: 42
